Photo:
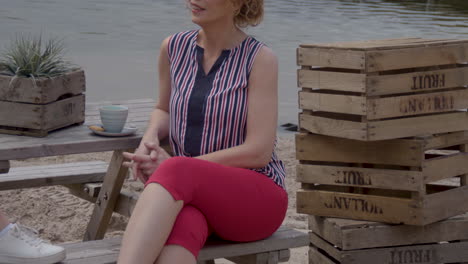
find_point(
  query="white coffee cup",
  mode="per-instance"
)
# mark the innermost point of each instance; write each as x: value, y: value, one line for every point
x: 113, y: 117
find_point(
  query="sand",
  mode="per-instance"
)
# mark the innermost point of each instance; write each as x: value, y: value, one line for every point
x: 61, y: 217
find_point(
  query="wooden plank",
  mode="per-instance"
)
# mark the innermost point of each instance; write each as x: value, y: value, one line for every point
x: 464, y: 177
x: 321, y: 225
x: 348, y: 59
x: 106, y: 250
x: 107, y: 198
x: 445, y: 167
x: 72, y: 140
x: 384, y: 60
x: 45, y: 90
x: 69, y: 173
x: 328, y: 80
x: 335, y: 103
x: 284, y: 238
x: 433, y: 253
x: 442, y: 205
x: 429, y: 253
x: 408, y: 105
x: 64, y: 113
x: 445, y: 140
x: 358, y: 206
x: 332, y: 149
x: 42, y: 117
x: 4, y: 166
x: 360, y: 177
x: 319, y: 242
x: 384, y: 43
x: 333, y: 127
x: 21, y: 115
x: 350, y: 234
x: 420, y: 81
x: 316, y: 257
x: 416, y: 126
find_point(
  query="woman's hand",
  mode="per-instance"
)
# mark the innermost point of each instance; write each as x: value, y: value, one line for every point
x: 142, y: 150
x: 145, y: 160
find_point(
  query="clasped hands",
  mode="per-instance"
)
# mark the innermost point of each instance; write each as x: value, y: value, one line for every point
x: 145, y: 160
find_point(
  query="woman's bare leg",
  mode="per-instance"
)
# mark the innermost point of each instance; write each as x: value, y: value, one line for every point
x: 149, y: 226
x: 3, y: 221
x: 175, y: 254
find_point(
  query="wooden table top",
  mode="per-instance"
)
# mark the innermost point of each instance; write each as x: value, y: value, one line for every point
x: 79, y: 139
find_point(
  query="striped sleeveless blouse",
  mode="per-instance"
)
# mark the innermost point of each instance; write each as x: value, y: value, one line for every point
x: 208, y: 111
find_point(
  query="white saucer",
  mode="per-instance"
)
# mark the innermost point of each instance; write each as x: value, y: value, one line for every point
x: 126, y: 131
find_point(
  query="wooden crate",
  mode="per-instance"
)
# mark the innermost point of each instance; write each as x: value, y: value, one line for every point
x: 358, y: 242
x: 393, y: 181
x: 384, y: 89
x: 35, y: 109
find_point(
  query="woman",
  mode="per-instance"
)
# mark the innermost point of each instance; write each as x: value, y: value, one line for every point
x: 218, y: 104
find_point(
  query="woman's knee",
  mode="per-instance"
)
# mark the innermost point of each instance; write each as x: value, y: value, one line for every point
x: 190, y: 230
x: 176, y: 175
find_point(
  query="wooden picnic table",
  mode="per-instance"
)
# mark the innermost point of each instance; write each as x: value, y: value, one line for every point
x: 79, y: 139
x: 108, y: 196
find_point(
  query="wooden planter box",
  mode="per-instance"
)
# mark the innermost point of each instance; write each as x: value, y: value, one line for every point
x: 35, y: 110
x: 393, y: 181
x: 383, y: 89
x: 358, y: 242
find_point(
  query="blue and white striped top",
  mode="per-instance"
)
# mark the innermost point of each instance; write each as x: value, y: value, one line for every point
x: 208, y: 111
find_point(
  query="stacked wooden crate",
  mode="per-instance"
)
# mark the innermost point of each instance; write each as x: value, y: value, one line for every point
x: 384, y: 131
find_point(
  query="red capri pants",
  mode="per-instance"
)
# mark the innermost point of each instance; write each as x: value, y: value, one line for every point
x: 235, y: 204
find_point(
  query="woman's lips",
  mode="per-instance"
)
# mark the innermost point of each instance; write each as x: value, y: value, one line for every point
x: 196, y: 8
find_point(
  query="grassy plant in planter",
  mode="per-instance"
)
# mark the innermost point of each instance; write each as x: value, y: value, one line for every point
x: 39, y: 90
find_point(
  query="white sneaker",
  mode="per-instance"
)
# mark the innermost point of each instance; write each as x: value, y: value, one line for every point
x: 22, y: 245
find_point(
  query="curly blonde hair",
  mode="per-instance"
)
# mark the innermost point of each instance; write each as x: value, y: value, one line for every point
x: 250, y: 12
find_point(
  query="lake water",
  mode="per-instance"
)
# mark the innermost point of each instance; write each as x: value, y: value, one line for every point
x: 117, y: 41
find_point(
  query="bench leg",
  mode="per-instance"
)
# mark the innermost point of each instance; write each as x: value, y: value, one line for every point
x: 107, y: 198
x: 4, y: 166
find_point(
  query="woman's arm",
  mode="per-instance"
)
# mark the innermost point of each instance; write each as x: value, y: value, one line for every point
x: 262, y: 117
x: 158, y: 125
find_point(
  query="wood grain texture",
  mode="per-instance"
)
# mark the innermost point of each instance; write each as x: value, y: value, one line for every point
x: 106, y: 250
x: 417, y: 126
x: 43, y: 117
x: 78, y: 139
x: 329, y: 80
x: 414, y: 57
x: 44, y: 90
x: 420, y: 81
x: 408, y: 105
x: 453, y: 252
x: 348, y: 59
x: 445, y: 167
x: 332, y: 149
x: 350, y: 234
x: 360, y: 177
x: 358, y: 206
x: 383, y: 44
x: 335, y: 103
x: 333, y: 127
x: 107, y: 198
x: 46, y: 175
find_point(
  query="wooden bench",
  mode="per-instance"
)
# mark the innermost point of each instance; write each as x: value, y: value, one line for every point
x: 274, y: 249
x: 45, y: 175
x: 83, y: 180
